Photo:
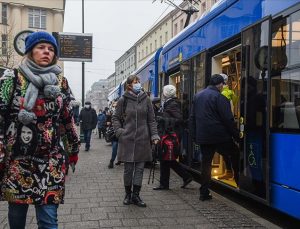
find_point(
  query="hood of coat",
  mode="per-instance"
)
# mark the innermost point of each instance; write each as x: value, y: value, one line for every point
x: 134, y: 97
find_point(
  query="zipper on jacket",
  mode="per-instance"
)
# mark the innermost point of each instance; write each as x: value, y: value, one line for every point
x: 136, y: 125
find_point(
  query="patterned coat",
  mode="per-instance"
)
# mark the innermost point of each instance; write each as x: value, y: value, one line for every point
x: 33, y: 169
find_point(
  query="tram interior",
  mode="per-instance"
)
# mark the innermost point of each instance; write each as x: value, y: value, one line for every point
x: 229, y: 63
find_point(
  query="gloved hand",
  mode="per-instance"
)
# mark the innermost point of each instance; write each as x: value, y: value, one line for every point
x: 73, y: 159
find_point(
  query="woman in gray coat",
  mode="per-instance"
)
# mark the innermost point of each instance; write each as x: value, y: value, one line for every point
x: 135, y: 126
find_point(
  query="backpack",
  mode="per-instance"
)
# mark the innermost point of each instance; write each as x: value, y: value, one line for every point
x: 109, y: 134
x: 170, y: 148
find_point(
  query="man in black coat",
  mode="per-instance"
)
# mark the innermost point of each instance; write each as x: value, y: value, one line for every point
x: 213, y: 128
x: 88, y: 119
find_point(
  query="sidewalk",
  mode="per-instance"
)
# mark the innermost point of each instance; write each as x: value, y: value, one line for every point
x: 94, y: 199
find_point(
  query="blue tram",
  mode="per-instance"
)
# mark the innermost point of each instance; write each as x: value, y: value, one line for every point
x: 257, y: 44
x: 148, y: 73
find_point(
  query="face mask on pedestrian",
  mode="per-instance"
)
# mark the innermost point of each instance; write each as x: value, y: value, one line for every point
x: 87, y: 106
x: 136, y: 88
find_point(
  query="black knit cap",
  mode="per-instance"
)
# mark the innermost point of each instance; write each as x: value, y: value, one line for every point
x: 216, y: 79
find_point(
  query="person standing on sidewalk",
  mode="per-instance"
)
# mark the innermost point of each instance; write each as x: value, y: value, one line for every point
x: 35, y: 113
x: 88, y: 119
x: 212, y: 126
x: 101, y: 123
x: 135, y: 128
x: 170, y: 126
x: 114, y: 140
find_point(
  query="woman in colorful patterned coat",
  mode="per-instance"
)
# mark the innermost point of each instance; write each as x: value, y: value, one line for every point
x: 35, y: 115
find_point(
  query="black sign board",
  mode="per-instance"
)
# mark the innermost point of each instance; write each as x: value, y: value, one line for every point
x: 75, y: 46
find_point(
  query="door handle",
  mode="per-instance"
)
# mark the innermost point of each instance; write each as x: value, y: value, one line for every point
x: 242, y: 127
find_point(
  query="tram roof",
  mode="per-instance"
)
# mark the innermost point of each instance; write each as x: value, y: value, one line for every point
x: 217, y: 8
x: 224, y: 20
x: 150, y: 60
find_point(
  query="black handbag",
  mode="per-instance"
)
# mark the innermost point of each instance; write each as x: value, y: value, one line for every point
x: 110, y: 134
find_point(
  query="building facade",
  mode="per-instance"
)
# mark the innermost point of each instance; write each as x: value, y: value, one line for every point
x: 111, y: 82
x: 125, y: 65
x: 180, y: 17
x: 155, y: 38
x: 98, y: 94
x: 18, y: 15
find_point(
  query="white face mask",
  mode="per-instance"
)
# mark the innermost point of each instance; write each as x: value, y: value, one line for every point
x: 87, y: 106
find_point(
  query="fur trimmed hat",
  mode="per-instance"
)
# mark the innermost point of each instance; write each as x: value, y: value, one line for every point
x: 169, y: 91
x: 39, y: 37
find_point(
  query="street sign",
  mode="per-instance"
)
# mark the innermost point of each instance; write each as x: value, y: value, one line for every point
x: 75, y: 46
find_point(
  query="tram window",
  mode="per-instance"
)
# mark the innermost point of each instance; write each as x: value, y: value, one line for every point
x: 285, y: 89
x: 199, y: 73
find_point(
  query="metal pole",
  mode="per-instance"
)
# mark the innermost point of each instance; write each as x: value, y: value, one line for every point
x: 83, y: 62
x: 82, y: 91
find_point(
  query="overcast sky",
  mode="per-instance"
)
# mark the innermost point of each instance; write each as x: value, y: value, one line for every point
x: 116, y: 25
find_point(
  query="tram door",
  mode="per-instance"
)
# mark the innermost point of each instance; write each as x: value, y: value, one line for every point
x: 229, y: 63
x: 181, y: 81
x: 254, y: 121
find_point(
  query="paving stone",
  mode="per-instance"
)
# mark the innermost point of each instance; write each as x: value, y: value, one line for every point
x: 110, y: 223
x: 69, y: 218
x: 81, y: 225
x: 94, y: 216
x: 130, y: 222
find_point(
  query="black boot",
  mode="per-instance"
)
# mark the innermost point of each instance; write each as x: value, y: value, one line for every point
x: 111, y: 164
x: 127, y: 199
x: 136, y: 199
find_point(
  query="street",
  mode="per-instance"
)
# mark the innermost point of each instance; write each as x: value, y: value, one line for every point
x: 94, y: 196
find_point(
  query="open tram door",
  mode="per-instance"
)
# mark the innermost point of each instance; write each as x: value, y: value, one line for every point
x: 254, y: 118
x: 227, y: 60
x: 181, y: 80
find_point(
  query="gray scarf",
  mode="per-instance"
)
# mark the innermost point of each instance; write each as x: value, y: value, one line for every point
x: 40, y: 78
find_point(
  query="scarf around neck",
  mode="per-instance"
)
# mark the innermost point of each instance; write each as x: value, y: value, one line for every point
x: 39, y: 77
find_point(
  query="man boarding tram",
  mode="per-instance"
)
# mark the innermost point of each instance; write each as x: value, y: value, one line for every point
x: 214, y: 129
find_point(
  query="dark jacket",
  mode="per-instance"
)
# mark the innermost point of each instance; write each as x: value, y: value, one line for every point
x: 170, y: 124
x: 88, y: 118
x: 170, y: 116
x: 138, y: 130
x: 211, y: 119
x: 101, y: 120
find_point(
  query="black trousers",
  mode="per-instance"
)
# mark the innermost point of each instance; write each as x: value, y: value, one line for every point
x: 101, y: 130
x: 165, y: 172
x: 228, y: 150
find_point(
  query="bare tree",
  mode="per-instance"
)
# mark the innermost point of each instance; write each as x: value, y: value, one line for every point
x: 8, y: 55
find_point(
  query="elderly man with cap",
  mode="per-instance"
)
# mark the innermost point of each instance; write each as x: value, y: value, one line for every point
x: 88, y: 119
x: 213, y: 128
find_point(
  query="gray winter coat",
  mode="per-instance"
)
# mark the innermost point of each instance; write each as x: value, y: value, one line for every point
x: 138, y: 130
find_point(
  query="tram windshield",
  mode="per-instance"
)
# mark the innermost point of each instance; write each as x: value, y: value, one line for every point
x: 285, y: 81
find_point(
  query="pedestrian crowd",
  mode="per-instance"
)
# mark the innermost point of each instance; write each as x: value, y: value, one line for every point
x: 39, y: 140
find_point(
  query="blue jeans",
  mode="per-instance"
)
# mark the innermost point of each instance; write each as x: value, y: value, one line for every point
x: 114, y: 145
x: 46, y: 216
x: 87, y: 138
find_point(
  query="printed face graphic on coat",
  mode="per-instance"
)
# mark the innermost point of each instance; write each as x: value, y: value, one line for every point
x: 26, y: 134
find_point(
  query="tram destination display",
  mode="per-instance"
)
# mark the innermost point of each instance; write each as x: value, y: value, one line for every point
x: 75, y: 46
